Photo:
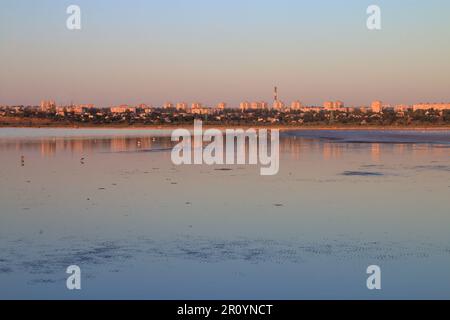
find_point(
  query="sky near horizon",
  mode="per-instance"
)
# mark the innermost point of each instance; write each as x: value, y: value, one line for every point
x: 137, y: 51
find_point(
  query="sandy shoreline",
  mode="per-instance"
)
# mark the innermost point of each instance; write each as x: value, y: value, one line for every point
x: 221, y: 127
x: 45, y: 124
x: 281, y: 128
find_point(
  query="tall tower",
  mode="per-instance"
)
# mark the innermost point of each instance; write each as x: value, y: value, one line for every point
x: 275, y: 95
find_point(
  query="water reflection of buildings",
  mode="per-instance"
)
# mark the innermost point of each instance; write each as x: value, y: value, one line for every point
x: 294, y: 147
x: 331, y: 150
x: 50, y: 147
x: 376, y: 150
x: 424, y: 150
x: 291, y: 146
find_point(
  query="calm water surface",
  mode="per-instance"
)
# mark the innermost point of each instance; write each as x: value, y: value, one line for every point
x: 112, y: 202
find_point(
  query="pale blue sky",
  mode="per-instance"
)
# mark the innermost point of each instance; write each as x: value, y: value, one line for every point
x: 133, y: 51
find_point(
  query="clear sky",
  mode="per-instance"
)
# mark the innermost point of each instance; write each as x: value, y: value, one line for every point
x: 133, y: 51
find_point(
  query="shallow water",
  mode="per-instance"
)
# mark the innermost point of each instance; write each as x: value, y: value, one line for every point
x: 112, y: 202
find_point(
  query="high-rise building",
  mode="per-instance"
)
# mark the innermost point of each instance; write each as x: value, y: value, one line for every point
x: 255, y: 105
x: 221, y: 105
x: 182, y: 106
x: 196, y: 105
x: 278, y: 105
x: 296, y: 105
x: 245, y: 105
x: 258, y: 105
x: 144, y: 108
x: 168, y: 105
x: 48, y: 105
x: 339, y: 104
x: 333, y: 105
x: 376, y: 106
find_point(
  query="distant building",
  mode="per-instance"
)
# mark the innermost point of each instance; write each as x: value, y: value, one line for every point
x: 48, y: 105
x: 296, y: 105
x: 82, y: 108
x: 201, y: 111
x: 363, y: 109
x: 245, y: 106
x: 376, y: 106
x: 328, y: 105
x: 79, y: 109
x: 256, y: 105
x: 218, y: 109
x: 259, y: 105
x: 428, y: 106
x: 221, y: 105
x: 198, y: 108
x: 182, y: 106
x: 196, y: 105
x: 334, y: 105
x: 168, y: 105
x: 60, y: 111
x: 278, y: 105
x: 145, y: 108
x: 402, y: 108
x: 311, y: 109
x: 123, y: 109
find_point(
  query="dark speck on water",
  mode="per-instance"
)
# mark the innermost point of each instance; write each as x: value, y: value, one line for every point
x: 362, y: 173
x: 433, y: 167
x: 223, y: 169
x: 144, y: 150
x: 5, y: 270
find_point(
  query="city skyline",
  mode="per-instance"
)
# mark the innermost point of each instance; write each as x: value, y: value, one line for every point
x: 277, y: 103
x: 132, y: 53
